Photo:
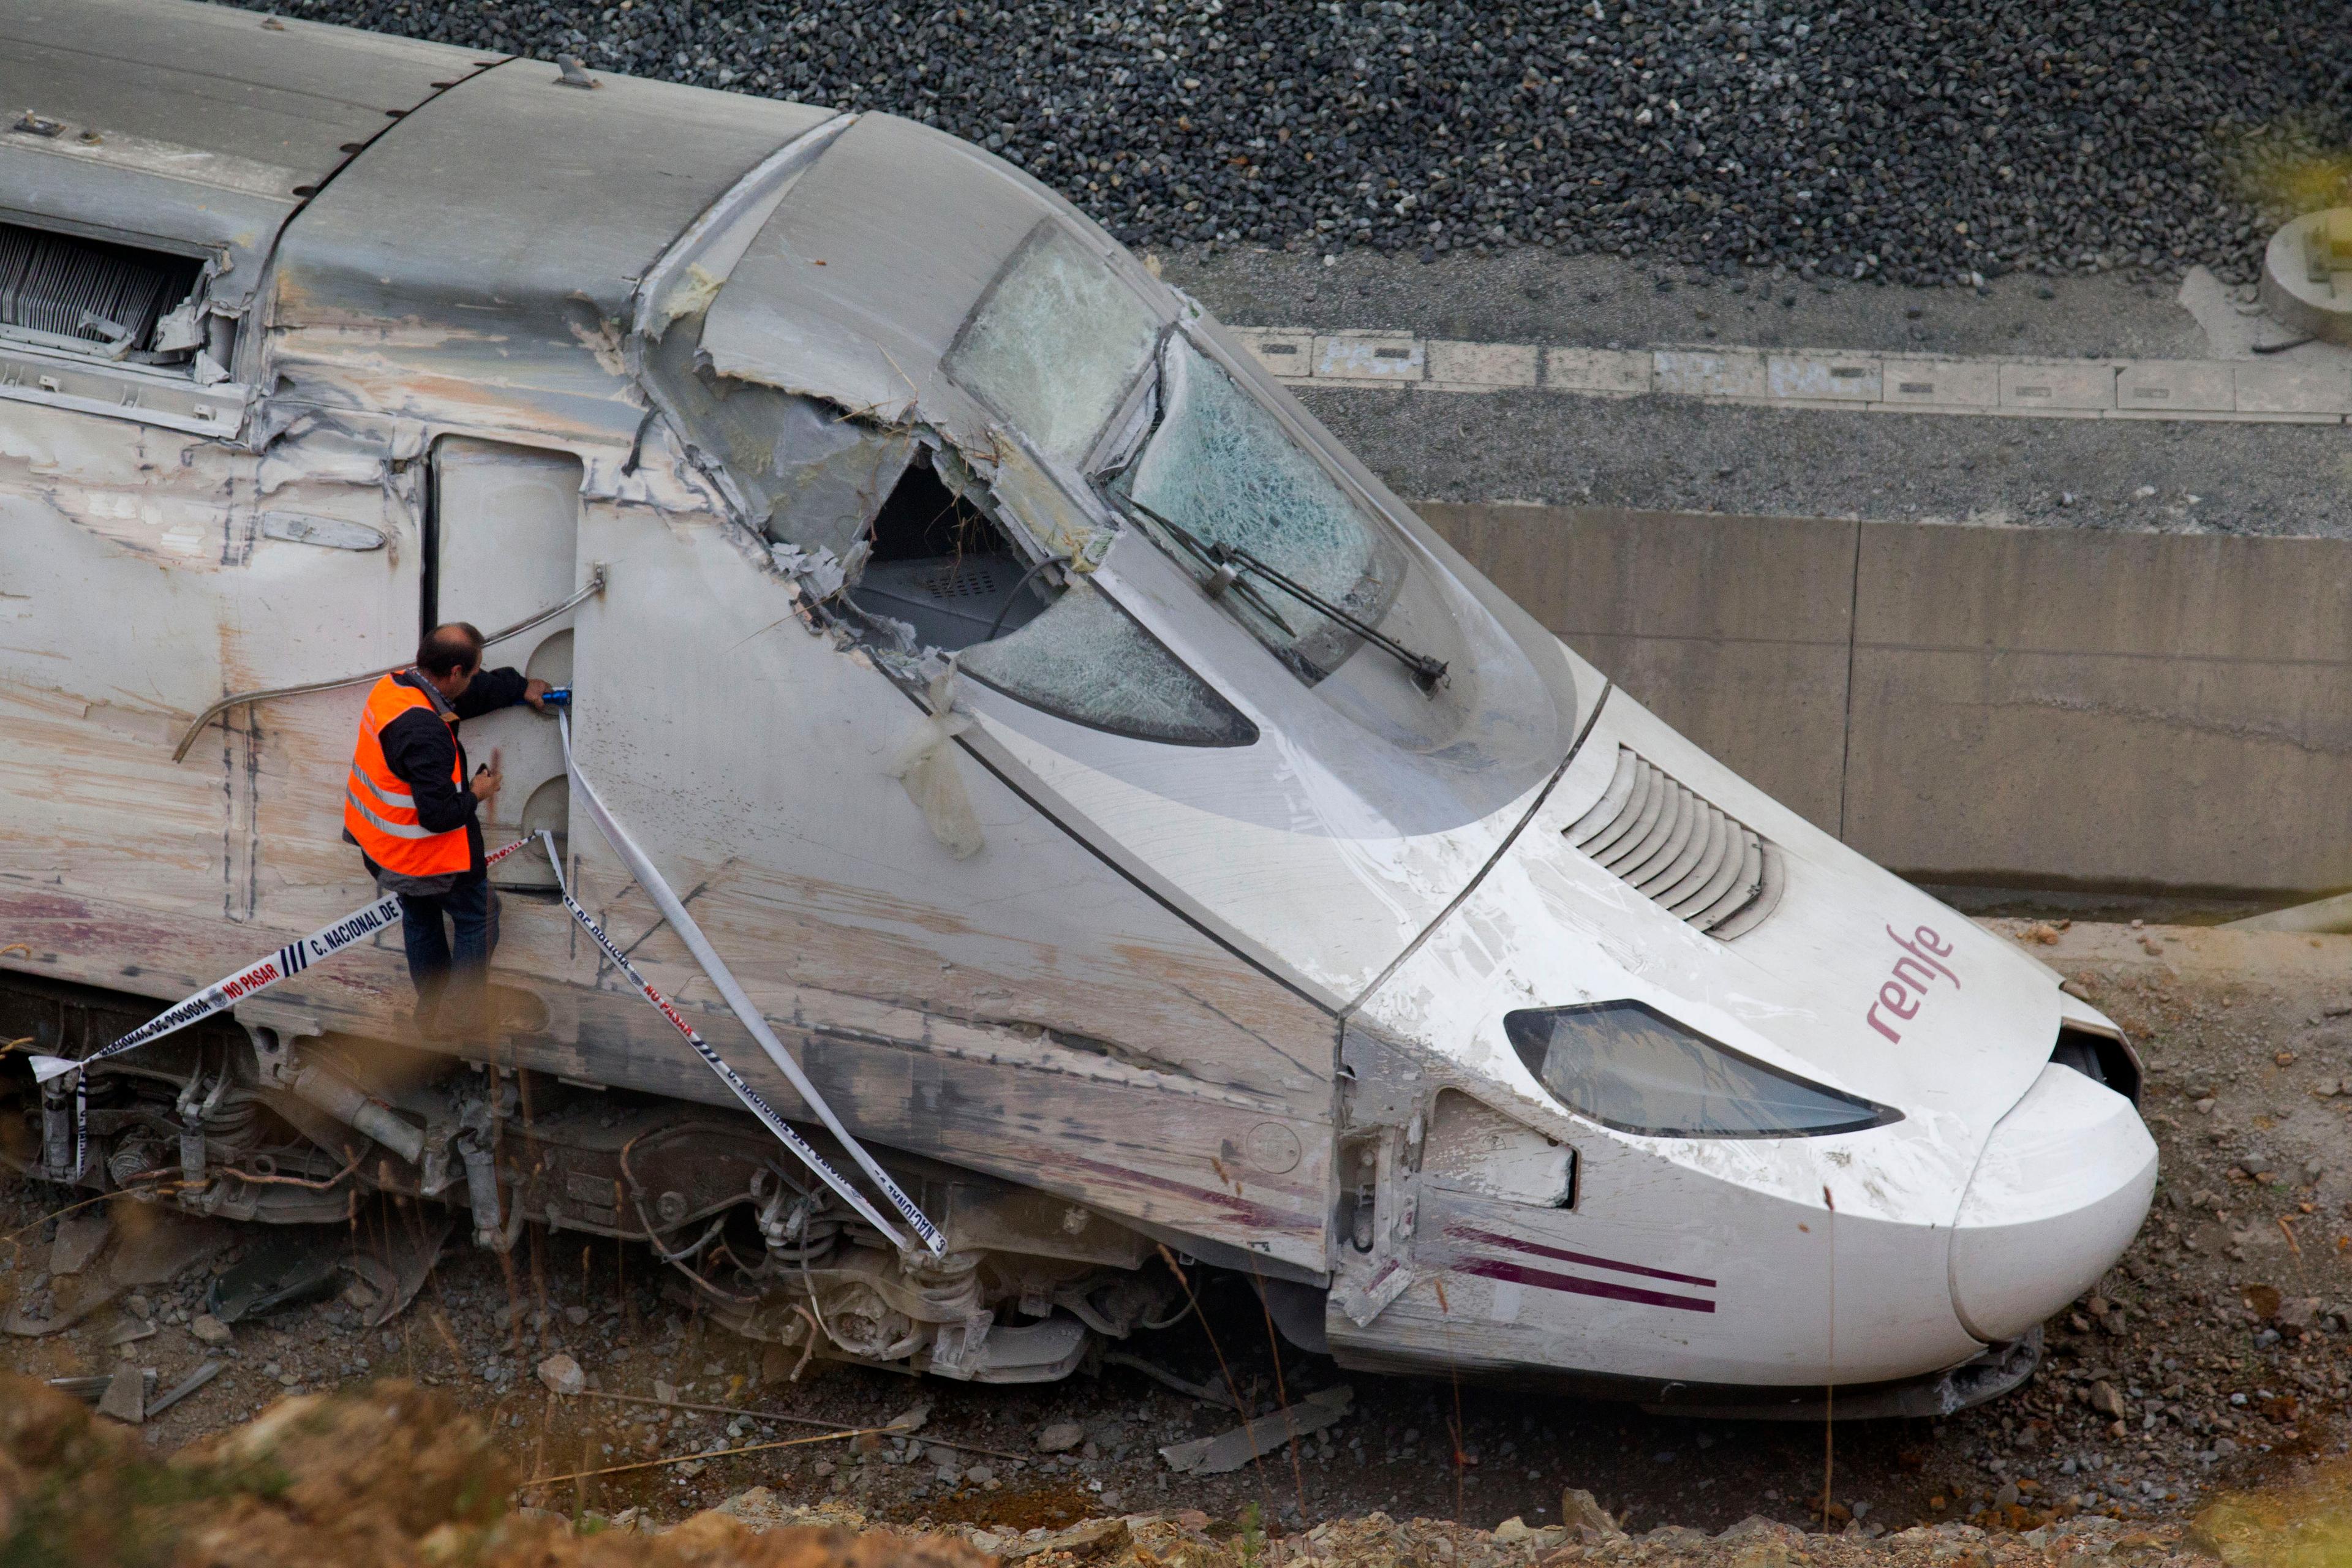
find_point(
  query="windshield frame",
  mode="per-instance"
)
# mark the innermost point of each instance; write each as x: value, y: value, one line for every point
x: 1317, y: 655
x: 1158, y: 311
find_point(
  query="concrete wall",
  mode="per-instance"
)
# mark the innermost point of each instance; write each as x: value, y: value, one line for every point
x: 2020, y: 707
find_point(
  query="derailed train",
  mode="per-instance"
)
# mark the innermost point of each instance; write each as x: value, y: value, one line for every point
x: 1143, y: 829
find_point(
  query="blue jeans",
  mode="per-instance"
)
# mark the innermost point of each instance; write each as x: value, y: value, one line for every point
x: 443, y: 971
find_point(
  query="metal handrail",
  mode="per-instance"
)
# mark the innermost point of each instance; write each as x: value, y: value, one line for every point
x: 595, y: 587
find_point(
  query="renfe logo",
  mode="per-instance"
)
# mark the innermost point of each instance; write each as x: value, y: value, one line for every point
x: 1925, y: 952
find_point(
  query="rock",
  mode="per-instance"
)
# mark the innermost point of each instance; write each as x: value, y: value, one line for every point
x: 1582, y: 1513
x: 79, y: 1237
x: 1059, y: 1436
x: 1094, y: 1538
x: 761, y: 1509
x: 209, y: 1330
x: 563, y: 1374
x: 2298, y: 1311
x: 1756, y: 1527
x: 2106, y: 1399
x: 1512, y: 1531
x: 980, y: 1475
x: 125, y: 1398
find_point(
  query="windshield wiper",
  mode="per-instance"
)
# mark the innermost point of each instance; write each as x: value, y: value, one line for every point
x: 1227, y: 562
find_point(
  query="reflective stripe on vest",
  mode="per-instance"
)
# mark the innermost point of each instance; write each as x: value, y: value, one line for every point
x: 379, y: 812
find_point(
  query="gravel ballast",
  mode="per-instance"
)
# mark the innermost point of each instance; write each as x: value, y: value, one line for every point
x: 1919, y: 142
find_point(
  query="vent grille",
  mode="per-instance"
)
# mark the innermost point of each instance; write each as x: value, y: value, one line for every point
x: 86, y: 290
x: 1672, y: 845
x: 971, y: 578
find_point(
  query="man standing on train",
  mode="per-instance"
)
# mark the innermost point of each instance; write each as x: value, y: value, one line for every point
x: 416, y: 818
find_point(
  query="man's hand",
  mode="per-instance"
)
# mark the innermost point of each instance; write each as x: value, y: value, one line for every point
x: 535, y: 692
x: 487, y: 780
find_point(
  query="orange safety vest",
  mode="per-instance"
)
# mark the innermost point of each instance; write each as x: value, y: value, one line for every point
x: 378, y: 811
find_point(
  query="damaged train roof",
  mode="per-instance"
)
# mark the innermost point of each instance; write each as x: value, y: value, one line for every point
x: 496, y: 237
x: 196, y: 126
x: 435, y: 227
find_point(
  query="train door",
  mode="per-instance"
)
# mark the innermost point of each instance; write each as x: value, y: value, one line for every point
x: 503, y: 547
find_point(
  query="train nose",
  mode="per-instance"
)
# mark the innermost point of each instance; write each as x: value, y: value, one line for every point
x: 2058, y: 1194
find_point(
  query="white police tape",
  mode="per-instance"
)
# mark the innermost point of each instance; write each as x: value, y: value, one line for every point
x: 288, y: 961
x: 716, y: 1064
x: 687, y: 931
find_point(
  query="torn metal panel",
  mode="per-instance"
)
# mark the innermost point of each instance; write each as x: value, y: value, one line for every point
x: 698, y: 264
x: 804, y: 471
x: 1229, y: 1451
x: 122, y: 391
x: 195, y: 143
x: 834, y: 300
x: 209, y: 131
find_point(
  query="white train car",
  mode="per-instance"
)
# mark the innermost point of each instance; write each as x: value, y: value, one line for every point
x: 1142, y: 830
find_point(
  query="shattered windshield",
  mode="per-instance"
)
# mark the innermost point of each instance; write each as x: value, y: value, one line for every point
x: 1221, y: 466
x: 1055, y: 343
x: 1086, y: 660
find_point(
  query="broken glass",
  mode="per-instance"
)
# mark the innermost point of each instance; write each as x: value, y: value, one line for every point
x: 1055, y: 343
x: 1222, y: 467
x: 809, y: 475
x: 1086, y: 660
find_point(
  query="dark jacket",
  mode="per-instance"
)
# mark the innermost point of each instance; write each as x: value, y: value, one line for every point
x: 420, y: 746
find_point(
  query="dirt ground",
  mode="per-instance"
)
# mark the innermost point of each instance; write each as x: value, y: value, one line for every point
x: 393, y: 1476
x: 2211, y: 1358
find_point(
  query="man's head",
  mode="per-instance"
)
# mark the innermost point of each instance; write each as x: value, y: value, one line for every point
x: 448, y: 656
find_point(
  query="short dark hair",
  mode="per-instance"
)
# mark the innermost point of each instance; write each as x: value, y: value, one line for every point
x: 448, y: 649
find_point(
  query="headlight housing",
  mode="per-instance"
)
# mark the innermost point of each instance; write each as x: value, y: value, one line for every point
x: 1628, y: 1065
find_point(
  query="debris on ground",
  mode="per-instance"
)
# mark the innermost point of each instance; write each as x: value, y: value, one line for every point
x: 2221, y: 1337
x: 99, y: 1256
x: 563, y: 1374
x: 1060, y: 1437
x: 1231, y: 1450
x: 394, y: 1475
x: 387, y: 1476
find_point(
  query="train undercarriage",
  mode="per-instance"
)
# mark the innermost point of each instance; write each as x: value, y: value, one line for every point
x: 241, y: 1122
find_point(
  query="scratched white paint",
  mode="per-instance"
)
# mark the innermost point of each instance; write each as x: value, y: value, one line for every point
x: 1134, y: 995
x: 1548, y: 927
